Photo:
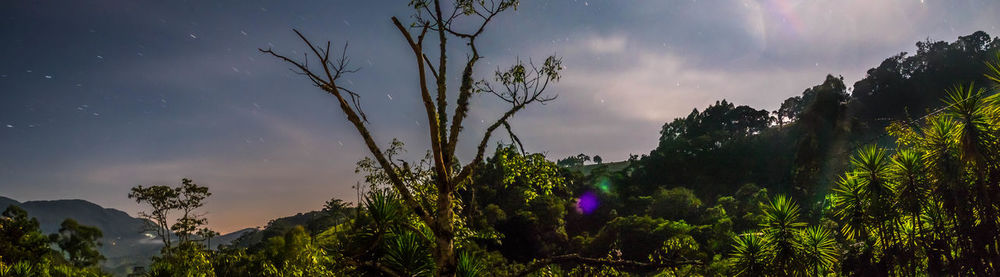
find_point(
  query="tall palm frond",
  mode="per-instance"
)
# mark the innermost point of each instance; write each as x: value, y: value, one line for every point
x: 781, y: 213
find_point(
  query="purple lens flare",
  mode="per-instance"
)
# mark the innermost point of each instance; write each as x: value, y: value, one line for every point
x: 587, y: 203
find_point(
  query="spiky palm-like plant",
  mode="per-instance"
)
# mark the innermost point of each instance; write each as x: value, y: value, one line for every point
x: 818, y: 250
x: 946, y: 174
x: 908, y: 245
x: 851, y: 206
x: 751, y: 255
x: 993, y: 69
x: 407, y: 254
x: 909, y: 184
x: 469, y: 266
x: 781, y: 226
x: 977, y: 144
x: 972, y: 110
x: 871, y: 164
x: 384, y: 208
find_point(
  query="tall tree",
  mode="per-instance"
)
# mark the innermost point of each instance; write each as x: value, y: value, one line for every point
x: 189, y: 199
x: 521, y: 85
x: 161, y: 200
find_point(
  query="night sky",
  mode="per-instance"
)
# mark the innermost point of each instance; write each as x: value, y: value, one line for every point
x: 99, y: 96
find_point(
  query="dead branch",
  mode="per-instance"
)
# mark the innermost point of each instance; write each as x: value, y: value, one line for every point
x: 332, y: 73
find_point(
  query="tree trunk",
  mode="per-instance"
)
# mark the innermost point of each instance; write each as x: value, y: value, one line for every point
x: 444, y: 252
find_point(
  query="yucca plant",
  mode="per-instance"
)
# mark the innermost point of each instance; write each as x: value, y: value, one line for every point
x: 19, y: 269
x: 384, y: 208
x: 851, y: 206
x: 407, y: 254
x: 909, y: 183
x: 993, y: 69
x: 941, y: 155
x: 818, y: 250
x: 468, y: 265
x: 751, y: 255
x: 971, y: 109
x: 781, y: 226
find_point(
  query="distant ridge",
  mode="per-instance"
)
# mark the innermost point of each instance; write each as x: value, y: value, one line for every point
x: 125, y: 244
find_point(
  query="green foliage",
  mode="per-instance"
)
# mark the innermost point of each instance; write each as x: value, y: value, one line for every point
x: 819, y: 250
x: 79, y: 243
x: 162, y: 200
x: 20, y: 238
x: 532, y: 175
x: 852, y: 207
x: 751, y: 255
x: 675, y: 204
x: 186, y: 259
x: 700, y: 151
x: 781, y: 228
x: 408, y: 255
x: 25, y: 252
x: 469, y: 265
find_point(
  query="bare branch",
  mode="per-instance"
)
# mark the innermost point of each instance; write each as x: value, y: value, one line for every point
x: 514, y: 138
x: 332, y: 73
x: 431, y: 67
x: 465, y: 92
x: 523, y: 85
x: 432, y: 120
x: 442, y: 87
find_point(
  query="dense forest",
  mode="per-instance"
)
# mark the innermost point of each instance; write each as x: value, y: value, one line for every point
x: 897, y: 175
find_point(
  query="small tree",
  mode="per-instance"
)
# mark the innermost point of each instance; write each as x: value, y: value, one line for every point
x: 207, y: 235
x: 160, y: 200
x: 79, y: 243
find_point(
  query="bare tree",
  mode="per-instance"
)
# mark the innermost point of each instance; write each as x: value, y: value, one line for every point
x: 521, y: 85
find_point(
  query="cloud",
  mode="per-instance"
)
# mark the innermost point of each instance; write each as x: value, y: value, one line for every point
x: 613, y: 44
x: 616, y: 105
